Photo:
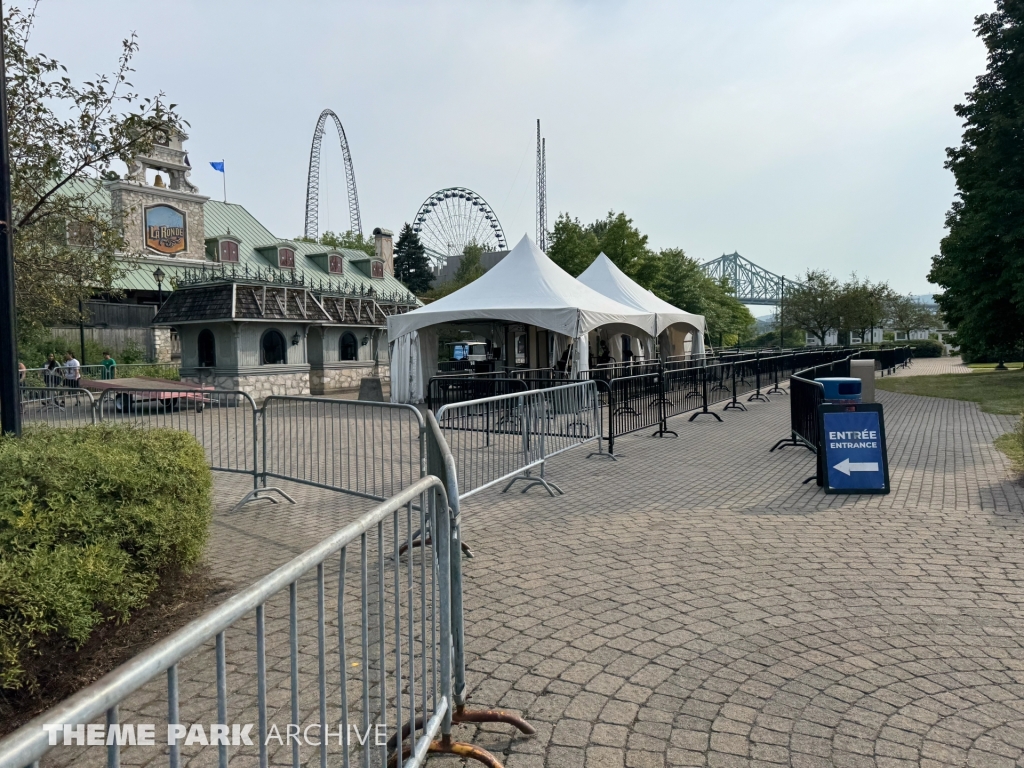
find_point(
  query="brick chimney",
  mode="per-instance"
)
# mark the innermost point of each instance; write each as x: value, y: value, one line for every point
x: 385, y: 249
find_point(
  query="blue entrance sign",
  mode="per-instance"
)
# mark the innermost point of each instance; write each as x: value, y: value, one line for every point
x: 853, y: 453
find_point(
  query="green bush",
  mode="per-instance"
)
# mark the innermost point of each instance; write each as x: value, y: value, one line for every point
x: 926, y: 347
x: 89, y: 520
x: 921, y: 347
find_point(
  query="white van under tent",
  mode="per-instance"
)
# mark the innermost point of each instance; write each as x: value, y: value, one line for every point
x: 526, y: 288
x: 679, y: 332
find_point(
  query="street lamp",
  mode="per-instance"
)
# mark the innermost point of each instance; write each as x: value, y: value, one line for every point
x: 158, y: 275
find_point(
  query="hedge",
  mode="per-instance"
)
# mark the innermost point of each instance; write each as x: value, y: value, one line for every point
x: 921, y: 347
x: 90, y: 518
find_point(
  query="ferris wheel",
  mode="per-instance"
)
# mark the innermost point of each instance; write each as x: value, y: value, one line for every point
x: 452, y: 218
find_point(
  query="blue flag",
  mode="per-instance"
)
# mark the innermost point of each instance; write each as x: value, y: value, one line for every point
x: 219, y: 166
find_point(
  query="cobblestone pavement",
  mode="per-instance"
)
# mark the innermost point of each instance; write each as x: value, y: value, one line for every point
x: 932, y: 366
x: 695, y: 604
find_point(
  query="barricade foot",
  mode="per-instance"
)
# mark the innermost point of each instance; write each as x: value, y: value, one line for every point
x: 809, y: 479
x: 706, y: 413
x: 446, y: 746
x: 611, y: 456
x: 735, y: 404
x: 418, y: 542
x: 551, y: 488
x: 663, y: 432
x: 254, y: 495
x: 463, y: 715
x: 532, y: 481
x: 759, y: 397
x: 776, y: 391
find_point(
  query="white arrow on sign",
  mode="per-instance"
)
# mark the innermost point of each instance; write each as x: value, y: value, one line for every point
x: 846, y: 466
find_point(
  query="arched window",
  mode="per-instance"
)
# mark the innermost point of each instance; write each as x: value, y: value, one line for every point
x: 272, y: 348
x: 349, y: 346
x: 207, y: 349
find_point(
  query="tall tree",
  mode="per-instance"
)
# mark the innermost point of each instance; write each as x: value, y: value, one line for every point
x: 862, y: 306
x: 349, y: 240
x: 980, y: 264
x: 907, y: 314
x: 64, y: 138
x: 572, y: 246
x: 412, y: 266
x: 813, y: 306
x: 624, y: 244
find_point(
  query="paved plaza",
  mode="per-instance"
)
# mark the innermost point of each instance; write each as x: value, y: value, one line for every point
x: 695, y: 604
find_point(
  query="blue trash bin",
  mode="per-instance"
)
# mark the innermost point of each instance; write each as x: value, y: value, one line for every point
x: 841, y: 389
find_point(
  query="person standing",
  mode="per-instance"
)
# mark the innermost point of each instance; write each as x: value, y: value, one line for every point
x: 51, y: 371
x: 109, y: 366
x: 72, y: 370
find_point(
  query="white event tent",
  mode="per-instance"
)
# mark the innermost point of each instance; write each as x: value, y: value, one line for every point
x: 525, y: 287
x: 673, y: 324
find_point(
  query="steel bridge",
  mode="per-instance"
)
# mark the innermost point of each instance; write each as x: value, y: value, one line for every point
x: 752, y: 284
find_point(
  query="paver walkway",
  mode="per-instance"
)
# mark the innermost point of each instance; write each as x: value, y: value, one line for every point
x: 932, y: 366
x: 695, y: 604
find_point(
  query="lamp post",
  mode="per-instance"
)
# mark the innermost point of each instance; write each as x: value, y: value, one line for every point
x: 158, y: 275
x: 10, y: 408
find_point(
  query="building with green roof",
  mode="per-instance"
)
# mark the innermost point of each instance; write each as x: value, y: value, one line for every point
x: 242, y: 308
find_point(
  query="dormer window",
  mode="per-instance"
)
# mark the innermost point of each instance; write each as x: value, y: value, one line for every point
x: 228, y: 251
x: 335, y: 264
x: 223, y: 248
x: 377, y: 270
x: 281, y: 256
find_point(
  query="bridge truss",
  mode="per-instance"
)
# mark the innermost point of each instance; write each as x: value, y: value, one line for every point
x: 752, y: 284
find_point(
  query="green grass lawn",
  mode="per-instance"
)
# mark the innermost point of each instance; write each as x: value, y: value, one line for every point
x: 1010, y: 444
x: 995, y: 391
x: 990, y: 366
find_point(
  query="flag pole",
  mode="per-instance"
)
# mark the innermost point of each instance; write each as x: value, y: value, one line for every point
x: 225, y: 174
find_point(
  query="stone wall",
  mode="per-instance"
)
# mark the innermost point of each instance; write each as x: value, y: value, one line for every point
x: 162, y: 344
x: 343, y: 376
x: 259, y: 386
x: 129, y: 200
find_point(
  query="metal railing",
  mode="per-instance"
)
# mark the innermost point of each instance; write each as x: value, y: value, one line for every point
x: 384, y: 661
x: 57, y: 406
x: 365, y: 449
x: 46, y: 377
x: 223, y: 422
x: 446, y: 390
x: 504, y: 438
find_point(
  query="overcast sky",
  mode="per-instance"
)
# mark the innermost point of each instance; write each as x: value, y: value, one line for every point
x: 802, y: 133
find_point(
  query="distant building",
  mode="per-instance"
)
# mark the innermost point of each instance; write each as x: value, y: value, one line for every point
x: 242, y: 308
x: 447, y: 272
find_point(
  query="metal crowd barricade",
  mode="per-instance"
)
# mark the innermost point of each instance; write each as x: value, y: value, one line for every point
x: 224, y: 422
x: 381, y: 664
x: 366, y: 449
x: 441, y: 464
x: 504, y: 438
x: 446, y: 390
x: 57, y: 406
x: 634, y: 403
x: 806, y: 395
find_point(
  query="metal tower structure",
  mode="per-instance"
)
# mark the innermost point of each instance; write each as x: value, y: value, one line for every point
x: 313, y: 180
x: 752, y: 284
x: 542, y: 192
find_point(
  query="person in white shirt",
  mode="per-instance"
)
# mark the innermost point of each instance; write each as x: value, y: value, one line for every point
x: 72, y: 371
